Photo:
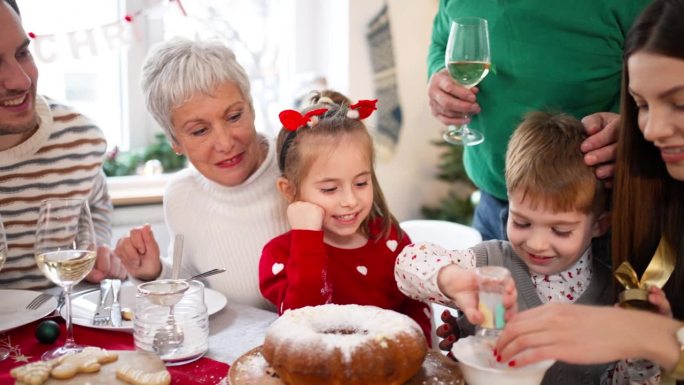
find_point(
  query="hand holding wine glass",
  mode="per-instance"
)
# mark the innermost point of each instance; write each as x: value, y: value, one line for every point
x: 65, y: 252
x: 467, y: 60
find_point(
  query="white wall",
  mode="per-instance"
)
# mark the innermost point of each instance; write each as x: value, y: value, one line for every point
x: 407, y: 177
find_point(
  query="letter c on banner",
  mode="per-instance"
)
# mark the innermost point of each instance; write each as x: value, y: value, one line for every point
x: 39, y: 45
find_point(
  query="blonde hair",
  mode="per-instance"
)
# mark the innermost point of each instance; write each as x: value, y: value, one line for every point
x: 297, y: 152
x: 544, y: 162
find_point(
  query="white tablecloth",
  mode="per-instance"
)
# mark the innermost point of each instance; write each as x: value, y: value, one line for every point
x: 235, y: 330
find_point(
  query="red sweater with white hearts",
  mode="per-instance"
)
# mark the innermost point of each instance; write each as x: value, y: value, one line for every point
x: 298, y: 269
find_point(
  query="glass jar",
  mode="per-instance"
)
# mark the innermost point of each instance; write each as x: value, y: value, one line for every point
x: 491, y: 283
x: 171, y: 320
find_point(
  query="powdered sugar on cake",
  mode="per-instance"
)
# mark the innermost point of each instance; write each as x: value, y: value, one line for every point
x: 253, y: 366
x: 343, y: 327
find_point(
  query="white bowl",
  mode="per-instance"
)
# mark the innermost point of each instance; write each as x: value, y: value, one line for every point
x: 479, y: 367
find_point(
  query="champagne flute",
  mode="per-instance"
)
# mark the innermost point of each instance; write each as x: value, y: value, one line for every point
x: 4, y: 353
x: 467, y: 60
x: 65, y: 252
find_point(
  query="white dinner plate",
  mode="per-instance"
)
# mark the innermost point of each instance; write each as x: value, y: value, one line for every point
x: 83, y: 307
x: 13, y: 312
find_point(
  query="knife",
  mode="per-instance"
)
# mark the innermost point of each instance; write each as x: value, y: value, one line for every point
x: 115, y: 314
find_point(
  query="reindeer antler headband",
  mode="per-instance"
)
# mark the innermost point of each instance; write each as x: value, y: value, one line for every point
x: 293, y: 120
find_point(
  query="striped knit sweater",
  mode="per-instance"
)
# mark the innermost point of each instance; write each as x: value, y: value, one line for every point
x: 63, y: 158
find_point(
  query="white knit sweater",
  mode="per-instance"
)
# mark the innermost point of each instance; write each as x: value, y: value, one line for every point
x: 226, y: 227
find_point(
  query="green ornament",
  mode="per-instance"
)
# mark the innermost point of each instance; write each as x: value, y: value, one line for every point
x: 47, y: 332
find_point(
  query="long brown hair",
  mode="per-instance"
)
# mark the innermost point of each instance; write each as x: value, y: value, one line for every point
x: 648, y: 202
x: 296, y: 154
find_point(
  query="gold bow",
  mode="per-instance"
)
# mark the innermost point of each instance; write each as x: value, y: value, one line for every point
x: 656, y: 274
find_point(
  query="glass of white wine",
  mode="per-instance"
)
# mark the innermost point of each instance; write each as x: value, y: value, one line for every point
x: 65, y: 252
x: 467, y: 60
x: 4, y: 353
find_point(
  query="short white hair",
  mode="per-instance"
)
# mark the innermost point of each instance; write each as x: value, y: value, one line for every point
x: 179, y: 68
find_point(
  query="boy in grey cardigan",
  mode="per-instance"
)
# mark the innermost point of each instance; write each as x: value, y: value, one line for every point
x: 557, y: 206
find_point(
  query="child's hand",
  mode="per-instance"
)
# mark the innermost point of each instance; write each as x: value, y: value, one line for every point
x: 305, y: 216
x: 461, y: 286
x: 657, y: 297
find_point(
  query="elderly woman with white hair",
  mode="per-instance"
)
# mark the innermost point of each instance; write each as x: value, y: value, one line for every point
x: 226, y: 205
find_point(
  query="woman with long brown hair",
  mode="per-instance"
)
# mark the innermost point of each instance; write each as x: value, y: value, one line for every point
x: 648, y: 215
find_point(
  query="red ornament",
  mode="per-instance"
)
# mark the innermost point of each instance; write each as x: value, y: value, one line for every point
x: 32, y: 35
x: 128, y: 18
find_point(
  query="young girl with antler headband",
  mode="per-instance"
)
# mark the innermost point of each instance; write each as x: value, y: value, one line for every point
x: 344, y: 240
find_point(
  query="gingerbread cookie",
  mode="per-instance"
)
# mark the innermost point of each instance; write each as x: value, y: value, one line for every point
x: 88, y: 360
x: 35, y: 373
x: 139, y: 377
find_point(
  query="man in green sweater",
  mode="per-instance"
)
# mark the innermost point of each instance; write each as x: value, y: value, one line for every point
x: 555, y: 54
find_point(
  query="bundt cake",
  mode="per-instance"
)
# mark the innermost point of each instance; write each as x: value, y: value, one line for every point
x: 344, y: 345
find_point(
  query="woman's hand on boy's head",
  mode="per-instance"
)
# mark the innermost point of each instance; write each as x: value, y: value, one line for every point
x: 600, y: 147
x: 657, y: 297
x: 305, y: 216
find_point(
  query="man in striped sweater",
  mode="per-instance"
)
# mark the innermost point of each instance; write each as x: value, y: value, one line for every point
x: 46, y: 151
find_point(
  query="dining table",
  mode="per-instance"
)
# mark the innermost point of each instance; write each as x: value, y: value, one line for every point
x: 233, y: 331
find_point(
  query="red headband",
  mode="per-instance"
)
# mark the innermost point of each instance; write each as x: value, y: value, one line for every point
x: 293, y: 120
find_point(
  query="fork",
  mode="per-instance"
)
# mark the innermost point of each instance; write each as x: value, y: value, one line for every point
x: 38, y: 301
x: 101, y: 317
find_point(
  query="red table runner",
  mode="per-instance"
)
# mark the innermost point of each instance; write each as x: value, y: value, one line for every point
x: 24, y: 348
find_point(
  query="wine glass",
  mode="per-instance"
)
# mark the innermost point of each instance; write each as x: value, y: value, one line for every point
x: 3, y: 244
x: 65, y: 252
x: 467, y: 60
x: 4, y: 353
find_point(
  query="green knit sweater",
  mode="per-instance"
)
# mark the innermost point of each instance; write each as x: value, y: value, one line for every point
x: 556, y: 54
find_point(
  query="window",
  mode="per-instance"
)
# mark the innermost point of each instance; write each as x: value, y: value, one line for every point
x: 90, y: 57
x: 75, y: 63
